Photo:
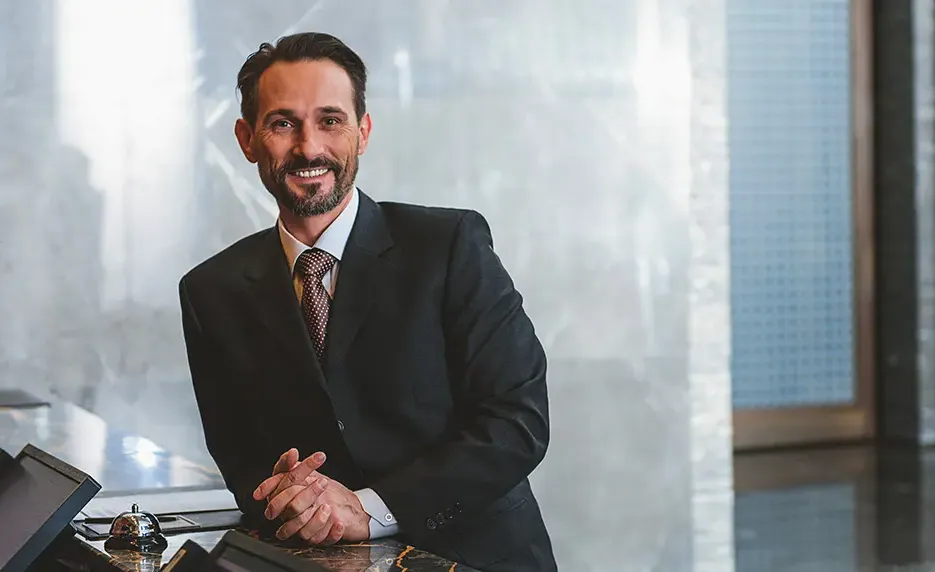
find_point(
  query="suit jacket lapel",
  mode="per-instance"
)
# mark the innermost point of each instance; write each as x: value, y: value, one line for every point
x: 277, y: 307
x: 360, y: 274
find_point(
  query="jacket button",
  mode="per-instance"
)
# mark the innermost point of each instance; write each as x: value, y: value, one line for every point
x: 341, y: 426
x: 431, y: 524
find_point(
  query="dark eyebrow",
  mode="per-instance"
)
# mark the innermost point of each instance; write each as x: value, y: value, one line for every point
x: 287, y: 113
x: 331, y: 110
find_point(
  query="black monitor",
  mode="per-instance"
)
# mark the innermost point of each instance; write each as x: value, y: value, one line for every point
x: 191, y: 557
x: 6, y: 462
x: 237, y: 552
x: 39, y: 496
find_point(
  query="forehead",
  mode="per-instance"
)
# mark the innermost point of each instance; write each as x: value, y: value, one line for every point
x: 304, y: 86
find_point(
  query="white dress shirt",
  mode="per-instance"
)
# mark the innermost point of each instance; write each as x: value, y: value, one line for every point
x: 333, y: 240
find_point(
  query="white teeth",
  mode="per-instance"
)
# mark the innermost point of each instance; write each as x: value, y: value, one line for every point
x: 312, y: 173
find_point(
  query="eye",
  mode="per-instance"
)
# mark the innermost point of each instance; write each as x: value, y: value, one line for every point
x: 282, y: 124
x: 330, y: 121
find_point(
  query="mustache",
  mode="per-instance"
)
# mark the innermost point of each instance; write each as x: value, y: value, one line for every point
x: 303, y: 164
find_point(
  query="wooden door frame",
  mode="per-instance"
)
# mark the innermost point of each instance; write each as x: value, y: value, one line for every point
x: 763, y: 428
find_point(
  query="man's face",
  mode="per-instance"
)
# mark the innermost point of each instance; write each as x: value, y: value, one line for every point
x: 306, y: 137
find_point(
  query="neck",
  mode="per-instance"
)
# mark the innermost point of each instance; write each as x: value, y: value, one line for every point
x: 309, y: 229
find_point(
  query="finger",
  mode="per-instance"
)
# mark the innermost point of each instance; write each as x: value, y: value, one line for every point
x: 305, y: 498
x: 314, y: 526
x: 271, y: 482
x: 295, y: 479
x: 293, y: 525
x: 337, y: 532
x: 287, y: 461
x: 324, y: 532
x: 283, y: 484
x: 295, y: 476
x: 290, y: 502
x: 282, y: 499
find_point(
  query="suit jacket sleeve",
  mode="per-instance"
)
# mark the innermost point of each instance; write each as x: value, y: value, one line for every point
x: 225, y: 433
x: 500, y: 395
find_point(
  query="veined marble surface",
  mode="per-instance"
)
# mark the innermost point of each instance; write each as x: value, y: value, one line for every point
x: 377, y: 556
x: 590, y: 134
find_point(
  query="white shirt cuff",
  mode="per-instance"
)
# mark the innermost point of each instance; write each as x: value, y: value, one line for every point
x: 382, y: 521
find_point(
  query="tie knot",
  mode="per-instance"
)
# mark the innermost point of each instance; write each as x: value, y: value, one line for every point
x: 314, y: 262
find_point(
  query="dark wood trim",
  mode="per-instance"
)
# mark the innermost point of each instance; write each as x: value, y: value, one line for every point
x: 863, y: 210
x: 862, y: 165
x: 784, y: 427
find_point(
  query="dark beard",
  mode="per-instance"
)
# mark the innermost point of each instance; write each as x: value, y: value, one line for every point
x: 312, y: 202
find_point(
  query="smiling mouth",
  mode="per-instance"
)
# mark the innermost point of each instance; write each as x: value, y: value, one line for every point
x: 310, y: 173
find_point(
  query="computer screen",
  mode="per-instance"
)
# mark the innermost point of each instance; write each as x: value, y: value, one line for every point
x: 39, y: 496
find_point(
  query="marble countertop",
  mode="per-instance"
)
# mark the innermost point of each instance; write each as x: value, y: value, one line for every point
x: 377, y: 556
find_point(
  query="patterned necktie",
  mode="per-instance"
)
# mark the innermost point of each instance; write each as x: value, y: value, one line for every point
x: 313, y: 264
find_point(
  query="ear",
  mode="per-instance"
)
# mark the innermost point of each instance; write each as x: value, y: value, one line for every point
x: 365, y: 125
x: 244, y: 133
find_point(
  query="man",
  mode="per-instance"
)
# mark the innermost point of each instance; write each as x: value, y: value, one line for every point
x: 385, y: 341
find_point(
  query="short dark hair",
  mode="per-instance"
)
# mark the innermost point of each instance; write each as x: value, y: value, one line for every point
x: 298, y: 47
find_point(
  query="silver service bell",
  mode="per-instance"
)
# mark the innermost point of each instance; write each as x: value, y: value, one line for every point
x: 136, y: 530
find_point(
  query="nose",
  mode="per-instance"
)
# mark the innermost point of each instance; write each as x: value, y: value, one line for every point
x: 308, y: 144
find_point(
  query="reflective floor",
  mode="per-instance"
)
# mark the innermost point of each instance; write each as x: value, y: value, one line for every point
x: 842, y: 509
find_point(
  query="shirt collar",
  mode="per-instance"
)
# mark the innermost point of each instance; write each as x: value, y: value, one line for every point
x: 332, y: 241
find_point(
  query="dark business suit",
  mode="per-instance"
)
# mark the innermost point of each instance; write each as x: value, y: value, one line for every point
x: 432, y: 391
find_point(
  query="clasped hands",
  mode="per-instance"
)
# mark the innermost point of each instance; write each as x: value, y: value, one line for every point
x: 319, y: 510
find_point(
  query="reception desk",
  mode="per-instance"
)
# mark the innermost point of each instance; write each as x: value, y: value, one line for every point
x: 126, y: 465
x: 75, y: 553
x: 381, y: 555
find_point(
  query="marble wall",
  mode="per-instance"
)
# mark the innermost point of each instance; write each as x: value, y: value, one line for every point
x: 592, y: 137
